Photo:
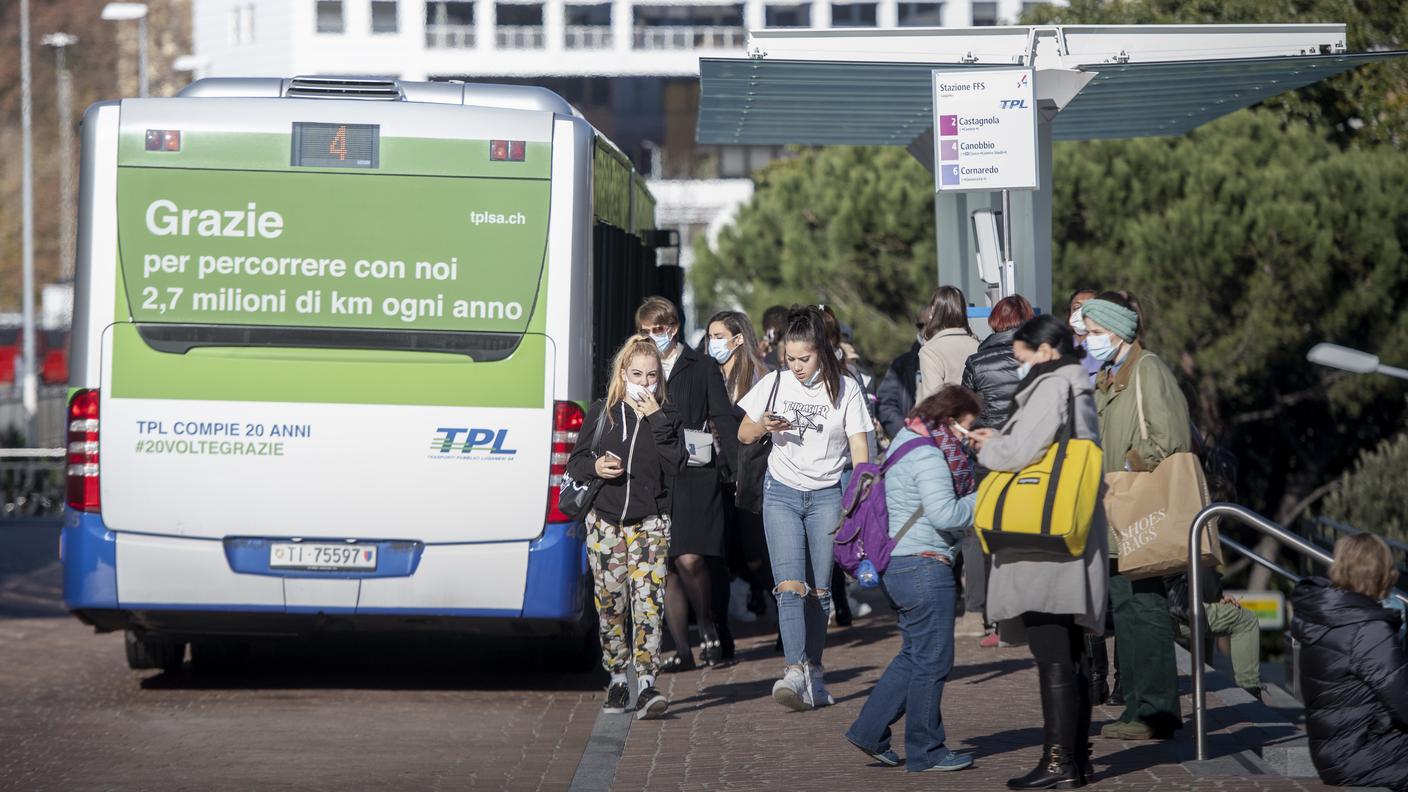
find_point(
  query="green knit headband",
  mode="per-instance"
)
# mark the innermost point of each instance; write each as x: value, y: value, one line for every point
x: 1119, y: 320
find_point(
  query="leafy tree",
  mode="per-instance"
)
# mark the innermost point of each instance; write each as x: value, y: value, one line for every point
x: 1371, y: 496
x: 848, y: 227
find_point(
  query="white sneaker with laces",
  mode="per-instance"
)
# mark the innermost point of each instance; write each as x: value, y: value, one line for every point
x: 820, y: 696
x: 794, y: 690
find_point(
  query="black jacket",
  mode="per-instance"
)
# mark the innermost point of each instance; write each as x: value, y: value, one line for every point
x: 697, y: 392
x: 992, y: 372
x: 1355, y: 683
x: 895, y: 396
x: 651, y: 451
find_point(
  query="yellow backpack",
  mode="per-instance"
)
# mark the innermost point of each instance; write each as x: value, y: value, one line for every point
x: 1046, y: 507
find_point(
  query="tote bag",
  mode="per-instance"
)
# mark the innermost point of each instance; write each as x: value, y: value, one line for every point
x: 753, y: 464
x: 1151, y: 512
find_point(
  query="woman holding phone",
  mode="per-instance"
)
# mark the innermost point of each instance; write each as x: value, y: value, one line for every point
x: 814, y: 414
x: 637, y: 455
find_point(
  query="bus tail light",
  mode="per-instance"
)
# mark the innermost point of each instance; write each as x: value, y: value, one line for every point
x: 82, y: 470
x: 567, y: 420
x: 163, y: 140
x: 507, y: 151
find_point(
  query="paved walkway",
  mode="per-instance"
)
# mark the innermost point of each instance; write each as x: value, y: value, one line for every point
x: 724, y: 732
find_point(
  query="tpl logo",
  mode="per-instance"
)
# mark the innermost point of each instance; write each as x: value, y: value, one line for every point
x: 1012, y: 104
x: 448, y: 440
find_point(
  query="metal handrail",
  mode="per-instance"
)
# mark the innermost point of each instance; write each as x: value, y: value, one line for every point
x: 1195, y: 575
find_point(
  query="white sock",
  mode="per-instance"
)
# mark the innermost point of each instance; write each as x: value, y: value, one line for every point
x: 617, y: 679
x: 646, y: 681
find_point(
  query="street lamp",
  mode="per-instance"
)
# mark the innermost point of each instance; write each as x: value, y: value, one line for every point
x: 1352, y: 360
x: 60, y: 43
x: 123, y: 12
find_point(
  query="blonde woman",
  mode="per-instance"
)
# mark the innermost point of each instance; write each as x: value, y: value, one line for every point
x: 1352, y: 670
x: 637, y: 455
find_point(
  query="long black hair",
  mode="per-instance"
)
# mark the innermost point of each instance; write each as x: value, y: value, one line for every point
x: 1047, y: 329
x: 806, y: 325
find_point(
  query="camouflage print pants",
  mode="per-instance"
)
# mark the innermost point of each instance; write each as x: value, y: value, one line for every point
x: 628, y: 565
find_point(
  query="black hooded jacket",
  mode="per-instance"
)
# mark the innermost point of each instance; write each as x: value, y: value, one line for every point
x: 1355, y: 684
x: 651, y: 452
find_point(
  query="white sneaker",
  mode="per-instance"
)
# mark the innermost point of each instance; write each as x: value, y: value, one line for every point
x: 859, y: 610
x: 820, y: 696
x: 794, y: 690
x: 738, y: 602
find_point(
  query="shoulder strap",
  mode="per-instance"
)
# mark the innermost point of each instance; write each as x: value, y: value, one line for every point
x: 776, y: 383
x: 905, y: 449
x: 600, y: 425
x: 910, y: 523
x: 1139, y: 399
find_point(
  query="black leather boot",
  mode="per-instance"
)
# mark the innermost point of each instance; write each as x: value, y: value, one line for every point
x: 1081, y: 745
x: 1057, y: 768
x: 1099, y: 662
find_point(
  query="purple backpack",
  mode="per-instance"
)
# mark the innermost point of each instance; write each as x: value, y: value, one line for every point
x: 864, y: 533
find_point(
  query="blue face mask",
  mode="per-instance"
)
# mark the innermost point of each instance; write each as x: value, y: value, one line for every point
x: 1023, y: 370
x: 815, y: 378
x: 720, y: 350
x: 1100, y: 346
x: 662, y: 342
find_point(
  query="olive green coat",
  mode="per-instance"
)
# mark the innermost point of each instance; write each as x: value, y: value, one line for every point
x: 1165, y: 413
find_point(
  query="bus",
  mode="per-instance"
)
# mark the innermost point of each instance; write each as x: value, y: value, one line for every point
x: 332, y: 342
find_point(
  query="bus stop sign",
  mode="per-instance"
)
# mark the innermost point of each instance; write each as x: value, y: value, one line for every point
x: 985, y: 134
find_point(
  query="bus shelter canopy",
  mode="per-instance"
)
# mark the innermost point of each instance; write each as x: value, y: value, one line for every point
x: 872, y: 87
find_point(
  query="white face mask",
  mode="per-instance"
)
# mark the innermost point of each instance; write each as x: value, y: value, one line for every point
x: 1077, y: 322
x: 1023, y: 370
x: 634, y: 392
x: 919, y: 336
x: 720, y: 350
x: 1100, y: 346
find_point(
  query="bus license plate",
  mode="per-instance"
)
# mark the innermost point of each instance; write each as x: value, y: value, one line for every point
x: 306, y: 555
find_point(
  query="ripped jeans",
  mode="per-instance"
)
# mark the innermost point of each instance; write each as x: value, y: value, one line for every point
x: 799, y: 525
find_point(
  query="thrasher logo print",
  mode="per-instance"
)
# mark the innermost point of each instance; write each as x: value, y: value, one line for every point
x: 805, y: 417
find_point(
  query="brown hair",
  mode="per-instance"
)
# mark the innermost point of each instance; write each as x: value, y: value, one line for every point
x: 1364, y: 564
x: 1009, y: 313
x: 807, y: 325
x: 948, y: 310
x: 949, y: 404
x: 657, y: 310
x: 634, y: 346
x: 748, y: 368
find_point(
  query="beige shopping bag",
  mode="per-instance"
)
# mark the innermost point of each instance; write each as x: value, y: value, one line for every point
x: 1151, y: 512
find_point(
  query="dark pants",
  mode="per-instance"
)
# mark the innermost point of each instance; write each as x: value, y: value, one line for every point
x: 1144, y: 651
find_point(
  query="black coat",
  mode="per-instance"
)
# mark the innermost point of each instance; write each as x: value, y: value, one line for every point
x: 895, y: 396
x: 1355, y: 683
x: 992, y: 372
x: 651, y: 451
x: 698, y: 395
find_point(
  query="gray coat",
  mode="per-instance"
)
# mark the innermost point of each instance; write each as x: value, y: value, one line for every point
x: 1043, y: 583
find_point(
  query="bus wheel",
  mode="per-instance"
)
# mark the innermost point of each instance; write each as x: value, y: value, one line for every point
x: 146, y: 651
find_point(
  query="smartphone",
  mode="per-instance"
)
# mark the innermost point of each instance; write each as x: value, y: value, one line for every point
x: 958, y: 427
x: 613, y: 455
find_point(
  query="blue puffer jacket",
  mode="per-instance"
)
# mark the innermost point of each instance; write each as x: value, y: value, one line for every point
x: 922, y: 477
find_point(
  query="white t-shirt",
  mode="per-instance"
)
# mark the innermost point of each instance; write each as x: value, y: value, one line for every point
x: 810, y: 455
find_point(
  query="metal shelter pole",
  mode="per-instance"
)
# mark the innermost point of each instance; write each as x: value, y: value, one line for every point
x: 1009, y: 274
x: 142, y: 84
x: 29, y: 393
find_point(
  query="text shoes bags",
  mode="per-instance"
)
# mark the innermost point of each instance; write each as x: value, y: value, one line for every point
x: 1046, y: 507
x: 1151, y: 513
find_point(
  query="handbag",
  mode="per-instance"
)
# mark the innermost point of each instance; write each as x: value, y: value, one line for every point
x: 1151, y: 512
x: 753, y: 464
x: 574, y: 498
x: 700, y: 446
x: 1048, y: 506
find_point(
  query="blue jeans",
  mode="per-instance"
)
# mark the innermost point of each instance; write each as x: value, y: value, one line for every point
x: 799, y: 525
x: 912, y: 687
